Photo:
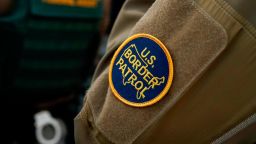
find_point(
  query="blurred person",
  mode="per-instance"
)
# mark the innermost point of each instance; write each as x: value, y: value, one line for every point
x: 175, y: 71
x: 55, y: 58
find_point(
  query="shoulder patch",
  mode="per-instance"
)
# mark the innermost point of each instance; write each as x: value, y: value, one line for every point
x: 141, y: 71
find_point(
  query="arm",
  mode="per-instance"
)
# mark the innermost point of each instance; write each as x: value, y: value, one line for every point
x: 129, y: 15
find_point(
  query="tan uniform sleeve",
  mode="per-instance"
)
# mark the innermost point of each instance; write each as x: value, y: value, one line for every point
x: 213, y: 53
x: 129, y: 15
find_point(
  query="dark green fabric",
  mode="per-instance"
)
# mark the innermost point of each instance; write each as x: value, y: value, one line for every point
x: 56, y: 48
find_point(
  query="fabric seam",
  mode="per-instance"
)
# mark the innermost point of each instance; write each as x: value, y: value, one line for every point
x: 245, y: 23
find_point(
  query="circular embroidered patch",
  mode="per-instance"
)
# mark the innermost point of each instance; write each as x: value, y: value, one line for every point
x: 141, y: 71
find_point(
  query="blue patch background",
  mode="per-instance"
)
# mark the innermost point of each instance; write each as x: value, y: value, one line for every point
x: 161, y: 68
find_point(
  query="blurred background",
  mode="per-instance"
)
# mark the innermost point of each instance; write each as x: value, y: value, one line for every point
x: 48, y: 52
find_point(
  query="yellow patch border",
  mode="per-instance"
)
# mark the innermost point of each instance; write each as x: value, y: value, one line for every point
x: 170, y: 78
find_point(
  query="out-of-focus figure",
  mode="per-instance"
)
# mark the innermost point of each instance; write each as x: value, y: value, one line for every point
x: 57, y: 41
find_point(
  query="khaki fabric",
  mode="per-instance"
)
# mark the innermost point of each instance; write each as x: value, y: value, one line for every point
x: 214, y: 54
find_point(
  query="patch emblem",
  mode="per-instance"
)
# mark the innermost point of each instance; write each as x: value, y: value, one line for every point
x: 141, y: 71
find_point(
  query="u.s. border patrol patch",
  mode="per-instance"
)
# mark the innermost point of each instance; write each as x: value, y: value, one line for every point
x: 141, y: 71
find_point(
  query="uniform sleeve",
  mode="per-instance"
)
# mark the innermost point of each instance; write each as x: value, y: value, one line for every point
x: 209, y: 49
x: 85, y: 130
